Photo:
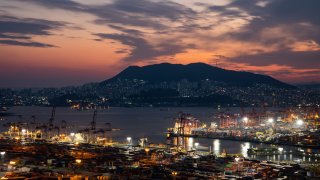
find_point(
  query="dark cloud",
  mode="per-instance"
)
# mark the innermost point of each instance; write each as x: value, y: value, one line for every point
x: 298, y: 60
x: 14, y: 36
x: 143, y: 13
x: 120, y: 14
x: 122, y: 51
x: 166, y: 9
x: 226, y: 12
x: 110, y: 13
x: 279, y: 23
x: 275, y: 11
x: 27, y: 26
x: 291, y: 11
x: 126, y: 30
x: 292, y: 15
x: 19, y: 32
x: 142, y: 49
x: 21, y: 43
x: 297, y: 21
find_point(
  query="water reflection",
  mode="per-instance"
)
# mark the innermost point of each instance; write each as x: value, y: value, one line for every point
x: 151, y: 123
x: 244, y: 149
x: 185, y: 142
x: 190, y: 144
x: 282, y: 153
x: 216, y: 147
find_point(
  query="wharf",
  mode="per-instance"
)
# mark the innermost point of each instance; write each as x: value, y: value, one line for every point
x: 232, y: 138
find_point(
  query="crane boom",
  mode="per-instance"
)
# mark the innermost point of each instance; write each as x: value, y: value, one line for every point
x: 53, y: 114
x: 93, y: 122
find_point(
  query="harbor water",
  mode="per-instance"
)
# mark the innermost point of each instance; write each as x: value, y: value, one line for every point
x: 151, y: 123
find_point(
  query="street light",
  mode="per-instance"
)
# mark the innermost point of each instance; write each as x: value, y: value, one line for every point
x: 2, y: 155
x: 299, y: 122
x: 196, y: 145
x: 129, y: 139
x: 23, y: 132
x: 78, y: 161
x: 72, y: 136
x: 147, y: 151
x: 280, y: 149
x: 174, y: 174
x: 245, y: 120
x: 270, y: 120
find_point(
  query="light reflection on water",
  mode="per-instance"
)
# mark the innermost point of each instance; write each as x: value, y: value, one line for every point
x: 216, y: 147
x: 238, y: 147
x: 147, y: 122
x: 190, y: 144
x: 244, y: 149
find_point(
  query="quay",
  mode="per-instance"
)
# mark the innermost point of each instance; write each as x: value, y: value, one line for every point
x: 289, y: 130
x: 45, y: 151
x: 243, y: 139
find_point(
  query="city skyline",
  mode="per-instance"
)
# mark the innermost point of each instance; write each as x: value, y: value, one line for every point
x: 59, y: 43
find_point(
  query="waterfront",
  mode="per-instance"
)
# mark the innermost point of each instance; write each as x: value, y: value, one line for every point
x: 134, y: 122
x: 151, y: 123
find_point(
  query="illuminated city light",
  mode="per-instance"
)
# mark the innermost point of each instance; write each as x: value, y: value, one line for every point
x: 299, y: 122
x: 174, y: 173
x: 129, y: 89
x: 78, y: 161
x: 216, y: 146
x: 244, y: 149
x: 190, y: 143
x: 270, y: 120
x: 245, y: 119
x: 129, y: 139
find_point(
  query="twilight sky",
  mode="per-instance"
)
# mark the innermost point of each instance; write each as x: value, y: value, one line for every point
x: 50, y: 43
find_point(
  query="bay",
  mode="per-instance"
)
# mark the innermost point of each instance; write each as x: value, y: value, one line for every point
x: 138, y: 122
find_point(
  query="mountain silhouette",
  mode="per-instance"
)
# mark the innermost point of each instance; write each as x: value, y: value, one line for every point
x: 166, y: 72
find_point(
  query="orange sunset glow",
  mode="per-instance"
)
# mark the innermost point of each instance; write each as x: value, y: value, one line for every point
x: 46, y: 43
